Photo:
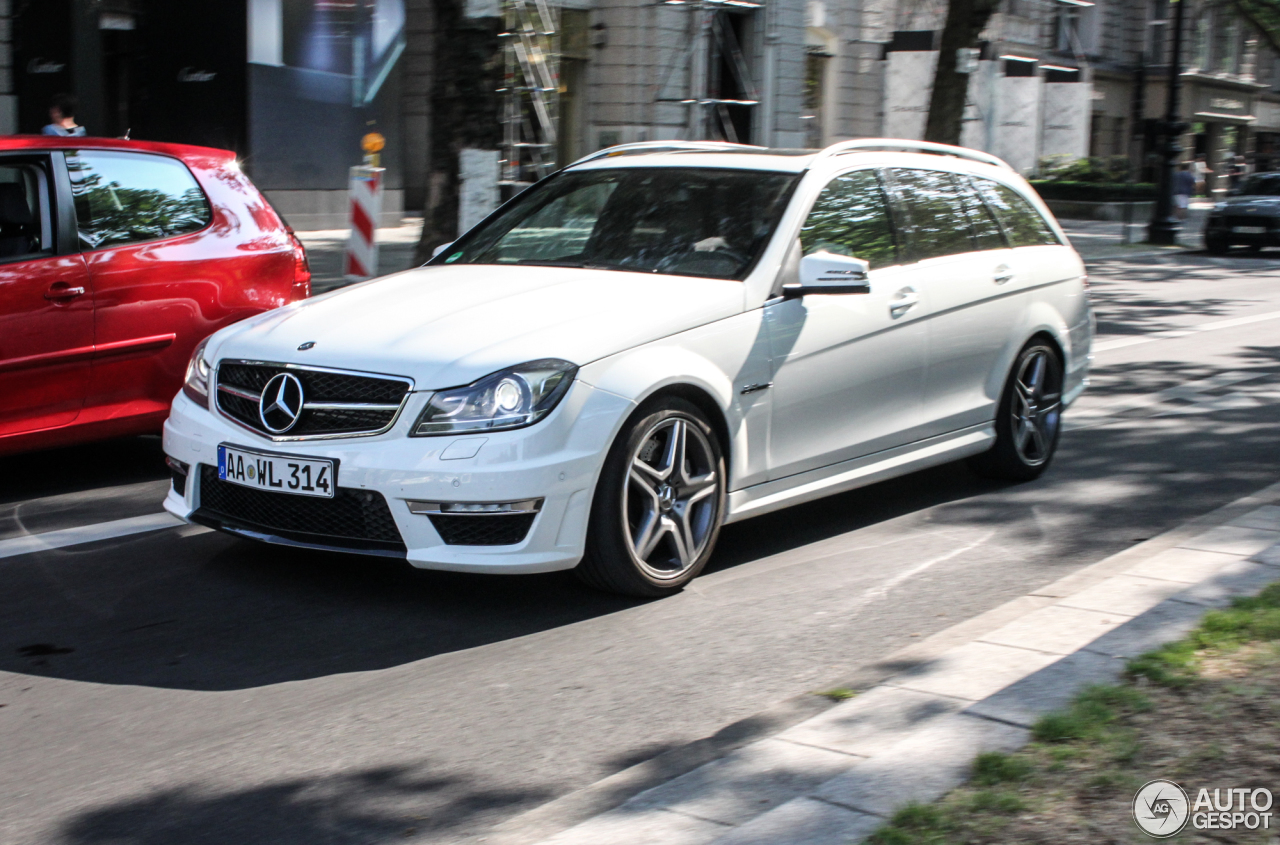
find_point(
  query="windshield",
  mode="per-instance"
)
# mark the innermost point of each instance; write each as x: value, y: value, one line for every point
x: 1261, y: 185
x: 679, y: 220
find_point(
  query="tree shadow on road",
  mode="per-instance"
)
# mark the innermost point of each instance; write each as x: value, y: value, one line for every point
x: 361, y: 806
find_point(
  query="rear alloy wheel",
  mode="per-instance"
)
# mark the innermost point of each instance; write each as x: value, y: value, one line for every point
x: 658, y: 505
x: 1029, y: 418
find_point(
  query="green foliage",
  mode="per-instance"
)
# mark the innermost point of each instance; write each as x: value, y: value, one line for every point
x: 1089, y: 714
x: 1264, y: 13
x: 993, y: 768
x: 1094, y: 191
x: 997, y: 801
x: 838, y: 694
x: 1064, y: 168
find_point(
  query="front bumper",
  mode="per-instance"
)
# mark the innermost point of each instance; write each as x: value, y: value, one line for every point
x: 1226, y: 229
x: 556, y: 460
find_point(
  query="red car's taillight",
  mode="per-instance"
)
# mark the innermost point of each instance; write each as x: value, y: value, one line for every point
x: 301, y: 270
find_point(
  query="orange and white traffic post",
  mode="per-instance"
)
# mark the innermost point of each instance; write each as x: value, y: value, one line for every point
x: 366, y: 206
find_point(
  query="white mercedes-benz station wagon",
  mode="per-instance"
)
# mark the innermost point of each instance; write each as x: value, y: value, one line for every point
x: 656, y: 341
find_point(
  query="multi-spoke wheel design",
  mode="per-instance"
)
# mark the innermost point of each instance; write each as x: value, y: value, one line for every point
x: 1037, y: 406
x: 1029, y: 417
x: 658, y: 504
x: 670, y: 497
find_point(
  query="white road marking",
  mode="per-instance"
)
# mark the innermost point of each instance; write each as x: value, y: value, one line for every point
x: 1121, y: 343
x: 87, y: 534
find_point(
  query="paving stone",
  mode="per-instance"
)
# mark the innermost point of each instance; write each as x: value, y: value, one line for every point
x: 1269, y: 556
x: 1049, y: 689
x: 1238, y: 579
x: 652, y: 827
x: 1266, y: 517
x: 1166, y: 622
x: 1186, y: 565
x: 1233, y: 540
x: 873, y: 721
x: 973, y: 671
x: 747, y: 782
x: 921, y: 768
x: 804, y: 821
x: 1056, y: 629
x: 1125, y: 594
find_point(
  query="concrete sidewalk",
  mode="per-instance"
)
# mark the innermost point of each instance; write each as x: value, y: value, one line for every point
x: 979, y: 686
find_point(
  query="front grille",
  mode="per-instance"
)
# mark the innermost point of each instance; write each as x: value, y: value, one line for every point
x: 353, y: 393
x: 476, y: 530
x: 356, y: 519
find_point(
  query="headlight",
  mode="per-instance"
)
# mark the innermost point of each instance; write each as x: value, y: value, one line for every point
x: 510, y: 398
x: 196, y: 384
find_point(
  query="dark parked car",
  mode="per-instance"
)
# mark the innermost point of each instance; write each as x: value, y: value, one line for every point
x: 116, y: 259
x: 1250, y: 216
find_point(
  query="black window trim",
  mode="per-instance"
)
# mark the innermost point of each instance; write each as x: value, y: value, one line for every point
x: 75, y: 225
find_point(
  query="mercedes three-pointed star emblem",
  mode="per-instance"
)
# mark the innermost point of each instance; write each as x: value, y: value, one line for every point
x: 281, y: 403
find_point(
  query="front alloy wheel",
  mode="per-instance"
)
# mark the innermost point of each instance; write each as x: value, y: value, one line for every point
x: 658, y: 504
x: 1028, y: 419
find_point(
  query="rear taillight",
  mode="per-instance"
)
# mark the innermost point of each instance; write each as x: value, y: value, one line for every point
x: 301, y: 270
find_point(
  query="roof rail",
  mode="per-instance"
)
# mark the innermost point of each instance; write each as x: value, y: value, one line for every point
x: 664, y: 147
x: 898, y: 144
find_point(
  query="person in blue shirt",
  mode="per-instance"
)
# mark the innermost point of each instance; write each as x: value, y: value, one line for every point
x: 62, y: 118
x: 1184, y: 185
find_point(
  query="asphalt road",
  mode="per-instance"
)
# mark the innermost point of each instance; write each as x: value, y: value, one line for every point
x: 181, y: 686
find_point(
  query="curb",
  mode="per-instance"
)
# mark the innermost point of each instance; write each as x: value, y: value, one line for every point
x: 837, y: 776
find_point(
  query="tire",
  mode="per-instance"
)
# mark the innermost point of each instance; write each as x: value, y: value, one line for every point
x: 1028, y: 418
x: 1216, y: 244
x: 658, y: 505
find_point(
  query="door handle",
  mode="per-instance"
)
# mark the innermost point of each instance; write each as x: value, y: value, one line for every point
x: 903, y: 301
x: 1002, y: 274
x: 61, y: 291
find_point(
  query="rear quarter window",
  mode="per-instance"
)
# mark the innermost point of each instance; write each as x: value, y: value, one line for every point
x: 1022, y: 223
x: 124, y: 198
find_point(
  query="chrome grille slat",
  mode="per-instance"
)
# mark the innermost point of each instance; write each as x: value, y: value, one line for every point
x: 336, y: 403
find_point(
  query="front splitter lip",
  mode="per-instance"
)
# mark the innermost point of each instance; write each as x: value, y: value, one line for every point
x: 299, y: 541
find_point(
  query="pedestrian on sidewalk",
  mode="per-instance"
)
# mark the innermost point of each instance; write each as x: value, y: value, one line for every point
x: 1184, y: 185
x: 62, y: 118
x: 1202, y: 173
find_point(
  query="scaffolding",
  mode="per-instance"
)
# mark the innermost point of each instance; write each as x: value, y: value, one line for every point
x: 714, y: 44
x: 531, y: 89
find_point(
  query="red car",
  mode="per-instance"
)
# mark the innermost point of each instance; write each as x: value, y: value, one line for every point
x: 116, y: 259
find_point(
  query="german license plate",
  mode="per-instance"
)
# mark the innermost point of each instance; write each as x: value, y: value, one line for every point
x: 1250, y: 230
x: 278, y: 473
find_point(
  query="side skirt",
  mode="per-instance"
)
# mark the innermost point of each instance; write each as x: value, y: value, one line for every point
x: 859, y: 472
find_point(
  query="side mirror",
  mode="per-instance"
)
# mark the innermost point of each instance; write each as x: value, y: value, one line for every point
x: 825, y: 272
x: 440, y: 249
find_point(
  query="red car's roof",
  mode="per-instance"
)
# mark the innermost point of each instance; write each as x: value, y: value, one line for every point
x: 186, y: 152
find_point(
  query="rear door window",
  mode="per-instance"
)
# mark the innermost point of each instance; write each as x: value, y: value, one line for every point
x: 936, y: 208
x: 1023, y: 225
x: 986, y: 230
x: 124, y: 198
x: 851, y: 217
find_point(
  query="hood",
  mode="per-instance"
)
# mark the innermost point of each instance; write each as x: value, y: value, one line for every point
x: 1267, y: 204
x: 448, y: 326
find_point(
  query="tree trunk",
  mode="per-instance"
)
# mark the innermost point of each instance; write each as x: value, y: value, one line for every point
x: 465, y: 109
x: 965, y: 21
